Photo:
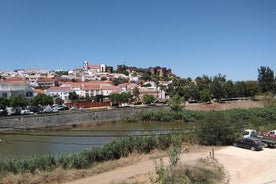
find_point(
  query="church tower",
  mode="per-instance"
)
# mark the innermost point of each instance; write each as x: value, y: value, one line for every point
x: 85, y: 65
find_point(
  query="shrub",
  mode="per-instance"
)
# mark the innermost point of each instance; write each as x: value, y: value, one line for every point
x: 215, y: 129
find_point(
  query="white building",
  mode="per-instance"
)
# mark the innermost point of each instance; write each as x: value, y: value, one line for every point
x: 15, y: 86
x: 60, y: 92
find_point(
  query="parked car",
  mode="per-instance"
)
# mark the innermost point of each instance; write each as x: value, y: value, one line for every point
x: 74, y: 108
x: 271, y: 133
x: 26, y: 112
x: 35, y: 109
x: 60, y: 107
x: 48, y: 109
x: 249, y: 143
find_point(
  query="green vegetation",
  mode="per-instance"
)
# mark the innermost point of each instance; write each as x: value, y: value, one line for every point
x: 219, y: 88
x: 176, y: 103
x: 111, y: 151
x: 42, y: 99
x: 148, y: 99
x: 216, y: 127
x: 203, y: 171
x: 120, y: 97
x: 207, y: 128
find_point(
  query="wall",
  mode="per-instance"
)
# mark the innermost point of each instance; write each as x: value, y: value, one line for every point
x: 70, y: 118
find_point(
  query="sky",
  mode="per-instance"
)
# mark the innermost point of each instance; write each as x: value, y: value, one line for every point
x: 192, y: 37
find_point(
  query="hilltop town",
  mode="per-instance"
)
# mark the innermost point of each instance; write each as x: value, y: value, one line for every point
x: 94, y: 82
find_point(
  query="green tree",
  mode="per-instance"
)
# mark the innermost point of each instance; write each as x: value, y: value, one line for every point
x: 240, y: 89
x: 145, y: 77
x: 203, y: 82
x: 17, y: 101
x: 180, y: 87
x: 266, y: 79
x: 229, y: 89
x: 218, y: 87
x: 103, y: 78
x: 252, y: 88
x: 215, y: 129
x: 148, y: 99
x: 205, y: 96
x: 119, y: 97
x: 194, y: 92
x: 73, y: 96
x: 4, y: 102
x: 59, y: 101
x: 176, y: 103
x: 89, y: 98
x: 124, y: 97
x: 117, y: 81
x: 136, y: 92
x: 42, y: 99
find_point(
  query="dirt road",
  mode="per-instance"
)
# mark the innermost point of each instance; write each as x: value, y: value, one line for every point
x: 246, y: 166
x: 242, y: 165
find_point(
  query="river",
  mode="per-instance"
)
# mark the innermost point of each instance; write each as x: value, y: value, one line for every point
x: 32, y: 142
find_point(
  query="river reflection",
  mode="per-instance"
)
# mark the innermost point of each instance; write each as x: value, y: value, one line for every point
x: 76, y: 139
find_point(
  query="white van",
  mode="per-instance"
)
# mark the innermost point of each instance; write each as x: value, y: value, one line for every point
x: 249, y: 133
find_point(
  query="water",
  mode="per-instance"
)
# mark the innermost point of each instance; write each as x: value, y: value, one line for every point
x: 27, y: 143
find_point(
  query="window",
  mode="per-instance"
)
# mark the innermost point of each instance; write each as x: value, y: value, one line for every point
x: 29, y: 94
x: 5, y: 95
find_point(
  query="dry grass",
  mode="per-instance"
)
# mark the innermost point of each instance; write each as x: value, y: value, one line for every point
x: 240, y: 104
x: 60, y: 175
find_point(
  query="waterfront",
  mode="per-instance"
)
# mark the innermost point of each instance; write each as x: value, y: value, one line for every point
x: 42, y: 141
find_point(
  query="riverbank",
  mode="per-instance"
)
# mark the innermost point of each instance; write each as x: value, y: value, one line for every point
x: 72, y: 118
x: 96, y: 116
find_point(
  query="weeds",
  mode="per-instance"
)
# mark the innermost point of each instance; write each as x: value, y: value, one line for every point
x: 111, y: 151
x: 204, y: 171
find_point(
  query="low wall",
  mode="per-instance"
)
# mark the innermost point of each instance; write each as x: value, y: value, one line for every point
x: 71, y: 118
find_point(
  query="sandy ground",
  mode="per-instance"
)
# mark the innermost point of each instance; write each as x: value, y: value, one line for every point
x: 242, y: 166
x: 246, y: 166
x: 239, y: 104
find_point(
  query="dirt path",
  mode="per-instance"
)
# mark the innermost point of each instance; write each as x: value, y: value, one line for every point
x: 246, y: 166
x: 243, y: 166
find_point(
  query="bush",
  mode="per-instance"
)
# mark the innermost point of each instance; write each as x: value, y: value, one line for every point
x: 215, y: 129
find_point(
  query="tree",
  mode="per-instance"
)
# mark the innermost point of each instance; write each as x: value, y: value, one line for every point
x: 205, y: 96
x: 194, y: 91
x: 4, y: 102
x: 136, y: 92
x: 124, y: 97
x: 148, y: 99
x: 73, y: 96
x: 42, y: 99
x: 180, y: 87
x: 240, y: 88
x: 215, y: 129
x: 59, y: 101
x: 229, y: 89
x: 89, y: 98
x: 103, y: 78
x: 119, y: 97
x: 203, y: 82
x: 176, y: 102
x: 145, y: 77
x: 218, y: 87
x: 17, y: 101
x: 115, y: 97
x: 252, y: 88
x: 266, y: 79
x: 117, y: 81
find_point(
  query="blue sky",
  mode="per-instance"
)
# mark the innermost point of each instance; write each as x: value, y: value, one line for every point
x: 192, y: 37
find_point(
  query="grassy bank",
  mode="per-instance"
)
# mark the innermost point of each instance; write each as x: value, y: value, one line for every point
x: 253, y: 115
x: 211, y: 128
x: 111, y: 151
